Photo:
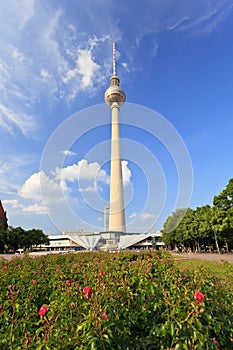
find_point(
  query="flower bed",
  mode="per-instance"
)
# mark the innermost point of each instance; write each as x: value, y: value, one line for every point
x: 112, y: 301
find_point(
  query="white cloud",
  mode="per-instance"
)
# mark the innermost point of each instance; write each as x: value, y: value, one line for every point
x: 36, y: 209
x: 41, y: 188
x: 81, y: 171
x: 12, y: 172
x: 126, y: 66
x: 90, y: 188
x: 133, y: 215
x: 32, y: 75
x: 67, y: 59
x: 85, y: 68
x: 18, y: 55
x: 67, y: 152
x: 10, y: 119
x: 126, y: 172
x: 14, y: 203
x: 31, y: 188
x: 63, y: 62
x: 45, y: 74
x: 15, y: 15
x: 147, y: 216
x: 205, y: 18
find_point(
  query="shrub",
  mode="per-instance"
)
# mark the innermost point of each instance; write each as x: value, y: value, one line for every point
x: 112, y: 301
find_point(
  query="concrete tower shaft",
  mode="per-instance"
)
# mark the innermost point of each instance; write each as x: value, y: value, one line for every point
x: 115, y: 97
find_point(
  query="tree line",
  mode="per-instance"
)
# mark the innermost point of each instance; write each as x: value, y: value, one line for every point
x: 206, y: 227
x: 14, y: 238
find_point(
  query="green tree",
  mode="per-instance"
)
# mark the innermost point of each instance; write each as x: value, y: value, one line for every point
x: 223, y: 215
x: 204, y: 225
x: 36, y: 237
x: 13, y: 238
x: 175, y: 226
x: 224, y: 201
x: 202, y: 230
x: 2, y: 241
x: 16, y: 237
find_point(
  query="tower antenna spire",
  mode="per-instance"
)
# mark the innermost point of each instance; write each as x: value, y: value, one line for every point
x: 114, y: 59
x: 115, y: 98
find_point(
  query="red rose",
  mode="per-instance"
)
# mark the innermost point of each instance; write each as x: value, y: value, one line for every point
x: 101, y: 273
x: 199, y: 296
x: 34, y: 281
x: 215, y: 341
x: 105, y: 316
x: 150, y: 265
x: 87, y: 292
x: 43, y: 310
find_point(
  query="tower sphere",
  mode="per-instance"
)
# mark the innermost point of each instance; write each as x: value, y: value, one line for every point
x: 114, y: 93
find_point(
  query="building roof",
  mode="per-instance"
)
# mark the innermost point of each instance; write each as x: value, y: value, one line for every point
x: 86, y: 241
x: 2, y: 212
x: 127, y: 241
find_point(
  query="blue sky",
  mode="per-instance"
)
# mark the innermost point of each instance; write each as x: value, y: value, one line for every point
x: 175, y: 62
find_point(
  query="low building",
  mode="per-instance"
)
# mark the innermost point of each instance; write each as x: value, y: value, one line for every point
x: 104, y: 241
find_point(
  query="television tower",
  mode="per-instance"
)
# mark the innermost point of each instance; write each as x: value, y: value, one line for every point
x: 115, y: 97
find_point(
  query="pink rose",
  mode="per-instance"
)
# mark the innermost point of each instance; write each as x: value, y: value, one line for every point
x: 67, y: 281
x: 34, y: 281
x: 199, y: 296
x: 43, y: 310
x: 101, y: 273
x: 150, y: 265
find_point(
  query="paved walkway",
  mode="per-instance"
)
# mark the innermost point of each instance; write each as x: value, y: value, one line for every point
x: 201, y: 256
x: 205, y: 256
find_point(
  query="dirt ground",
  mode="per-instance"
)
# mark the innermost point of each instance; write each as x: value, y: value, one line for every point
x: 205, y: 256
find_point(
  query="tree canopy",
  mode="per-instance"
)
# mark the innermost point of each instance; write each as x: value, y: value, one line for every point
x: 203, y: 226
x: 15, y: 238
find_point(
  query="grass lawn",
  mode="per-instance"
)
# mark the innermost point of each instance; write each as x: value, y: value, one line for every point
x: 222, y: 270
